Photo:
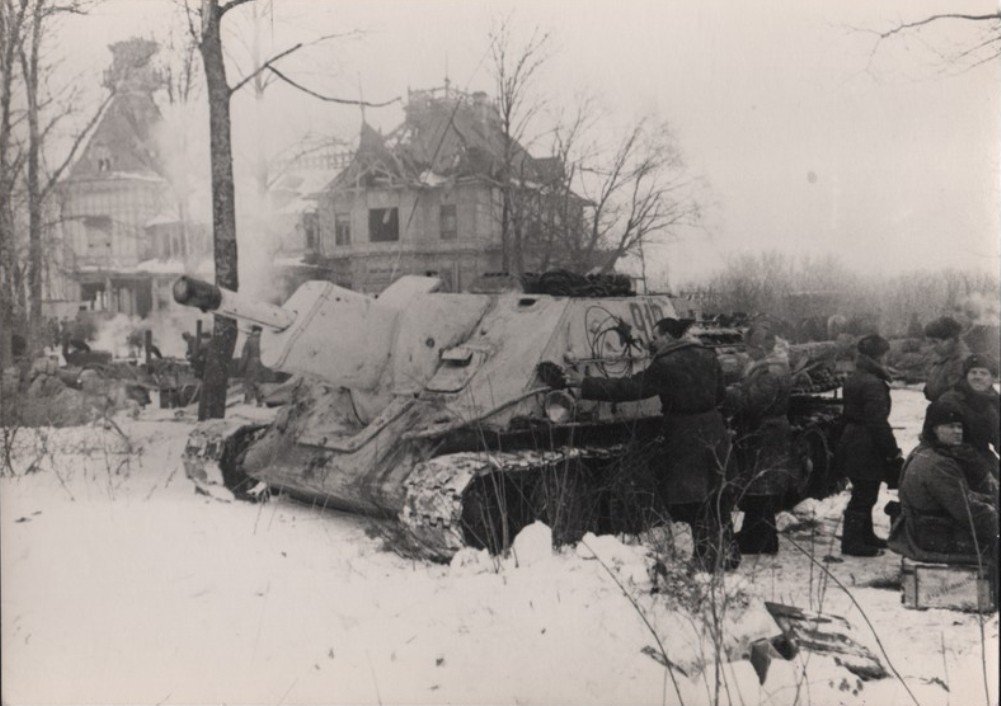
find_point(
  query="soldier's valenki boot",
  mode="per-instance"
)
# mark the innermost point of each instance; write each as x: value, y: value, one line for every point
x: 870, y: 535
x: 854, y: 541
x: 713, y: 548
x: 758, y: 535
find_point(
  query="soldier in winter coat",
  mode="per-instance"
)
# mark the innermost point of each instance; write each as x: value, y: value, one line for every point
x: 867, y: 452
x: 976, y: 397
x: 948, y: 354
x: 948, y: 504
x: 760, y: 406
x: 688, y: 379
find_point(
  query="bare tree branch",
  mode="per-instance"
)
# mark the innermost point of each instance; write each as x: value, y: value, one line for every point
x: 226, y: 7
x: 301, y: 45
x: 330, y: 99
x: 934, y: 18
x: 263, y: 67
x: 188, y: 13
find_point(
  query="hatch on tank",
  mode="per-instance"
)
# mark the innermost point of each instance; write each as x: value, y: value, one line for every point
x: 458, y: 365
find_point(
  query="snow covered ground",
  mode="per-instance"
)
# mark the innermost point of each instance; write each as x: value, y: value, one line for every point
x: 120, y: 584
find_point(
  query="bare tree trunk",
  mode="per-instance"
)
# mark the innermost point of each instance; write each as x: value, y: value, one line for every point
x: 260, y: 159
x: 10, y: 33
x: 7, y: 318
x: 212, y: 404
x: 505, y: 231
x: 29, y: 67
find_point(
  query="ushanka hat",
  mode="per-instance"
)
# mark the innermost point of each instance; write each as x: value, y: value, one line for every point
x: 943, y: 327
x: 980, y: 361
x: 873, y: 345
x: 940, y: 412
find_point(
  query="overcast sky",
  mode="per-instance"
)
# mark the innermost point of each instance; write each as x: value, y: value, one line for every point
x: 812, y: 136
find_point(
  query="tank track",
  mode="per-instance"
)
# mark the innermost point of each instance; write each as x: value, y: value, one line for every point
x: 437, y: 488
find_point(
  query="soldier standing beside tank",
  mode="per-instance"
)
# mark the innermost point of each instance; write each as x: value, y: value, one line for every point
x: 251, y: 367
x: 867, y: 452
x: 760, y: 406
x: 689, y: 381
x: 948, y: 354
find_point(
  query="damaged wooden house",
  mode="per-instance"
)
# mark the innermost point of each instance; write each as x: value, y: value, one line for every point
x: 125, y: 233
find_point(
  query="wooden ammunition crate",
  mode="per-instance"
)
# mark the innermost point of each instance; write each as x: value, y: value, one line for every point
x: 945, y: 586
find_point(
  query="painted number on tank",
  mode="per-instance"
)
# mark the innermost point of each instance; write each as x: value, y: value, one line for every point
x: 644, y: 317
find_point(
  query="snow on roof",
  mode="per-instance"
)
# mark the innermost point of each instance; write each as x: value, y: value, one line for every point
x: 430, y: 178
x: 164, y: 217
x: 121, y: 176
x: 162, y: 267
x: 294, y: 261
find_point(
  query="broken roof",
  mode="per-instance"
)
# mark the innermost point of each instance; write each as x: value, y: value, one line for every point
x: 445, y: 134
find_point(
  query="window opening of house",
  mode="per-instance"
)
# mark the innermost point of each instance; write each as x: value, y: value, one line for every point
x: 449, y: 222
x: 311, y: 231
x: 342, y: 228
x: 177, y: 246
x: 383, y: 225
x: 98, y: 230
x: 103, y: 156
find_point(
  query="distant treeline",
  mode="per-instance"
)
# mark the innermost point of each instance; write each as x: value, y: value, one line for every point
x: 806, y: 293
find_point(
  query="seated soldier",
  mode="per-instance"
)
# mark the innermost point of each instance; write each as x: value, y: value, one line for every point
x: 948, y: 501
x: 976, y: 397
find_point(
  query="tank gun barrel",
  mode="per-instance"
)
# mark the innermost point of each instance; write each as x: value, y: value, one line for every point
x: 209, y: 297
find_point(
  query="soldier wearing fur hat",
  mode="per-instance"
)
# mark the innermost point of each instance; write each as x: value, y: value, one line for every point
x: 695, y: 458
x: 975, y: 395
x: 948, y: 354
x: 759, y: 403
x: 948, y: 511
x: 867, y: 452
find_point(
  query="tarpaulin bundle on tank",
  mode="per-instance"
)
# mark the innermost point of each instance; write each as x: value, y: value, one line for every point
x: 561, y: 283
